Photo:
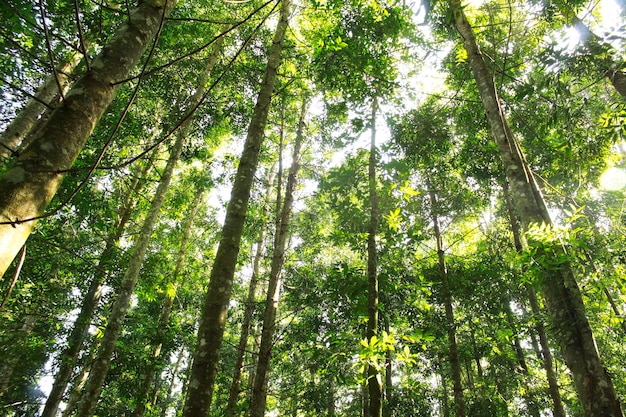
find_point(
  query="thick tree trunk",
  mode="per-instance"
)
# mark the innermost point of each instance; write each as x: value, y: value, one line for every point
x: 453, y: 355
x: 374, y: 383
x: 156, y: 364
x: 27, y: 188
x: 48, y: 93
x: 564, y: 301
x: 235, y: 385
x: 67, y: 358
x: 217, y: 299
x: 259, y: 390
x: 122, y: 302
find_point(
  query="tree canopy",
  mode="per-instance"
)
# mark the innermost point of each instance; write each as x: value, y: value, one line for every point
x: 314, y: 207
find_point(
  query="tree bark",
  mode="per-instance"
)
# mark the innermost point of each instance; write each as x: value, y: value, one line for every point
x: 29, y: 185
x: 217, y: 299
x: 235, y: 385
x: 259, y: 390
x: 563, y: 299
x: 13, y: 136
x: 455, y: 364
x: 374, y: 383
x: 67, y: 358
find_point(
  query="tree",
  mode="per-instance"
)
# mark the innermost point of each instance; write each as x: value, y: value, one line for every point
x: 565, y: 304
x: 283, y: 214
x: 213, y: 316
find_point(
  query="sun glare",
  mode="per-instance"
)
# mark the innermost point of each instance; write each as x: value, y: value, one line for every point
x: 613, y: 179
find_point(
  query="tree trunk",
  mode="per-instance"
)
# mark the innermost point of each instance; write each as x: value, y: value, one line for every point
x: 594, y: 45
x: 259, y: 391
x: 563, y: 299
x: 374, y: 383
x: 156, y: 365
x: 122, y: 302
x: 27, y: 188
x: 6, y: 372
x: 67, y: 358
x: 217, y: 298
x: 522, y: 367
x: 455, y: 365
x: 235, y: 385
x: 444, y: 388
x: 545, y: 353
x: 13, y: 136
x: 167, y: 399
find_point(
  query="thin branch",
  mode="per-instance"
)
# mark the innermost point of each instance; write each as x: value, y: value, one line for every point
x: 15, y: 276
x: 49, y: 48
x: 26, y: 93
x: 201, y: 48
x: 81, y: 36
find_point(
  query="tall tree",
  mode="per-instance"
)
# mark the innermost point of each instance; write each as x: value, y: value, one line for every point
x: 235, y: 385
x: 374, y: 380
x: 54, y: 87
x: 283, y: 214
x: 69, y: 355
x: 122, y: 302
x: 217, y: 299
x: 565, y: 305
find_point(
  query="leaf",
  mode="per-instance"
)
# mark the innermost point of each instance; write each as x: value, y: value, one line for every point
x: 393, y: 219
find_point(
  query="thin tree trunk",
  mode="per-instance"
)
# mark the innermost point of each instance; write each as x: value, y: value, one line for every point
x: 455, y: 365
x: 374, y: 383
x: 596, y: 47
x: 156, y: 364
x: 122, y: 302
x: 531, y: 402
x: 13, y: 136
x: 545, y: 353
x: 444, y: 387
x: 388, y: 367
x: 259, y: 391
x: 69, y: 355
x: 29, y: 185
x: 167, y: 399
x: 10, y: 363
x: 235, y: 385
x: 217, y: 298
x: 546, y: 356
x: 563, y: 299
